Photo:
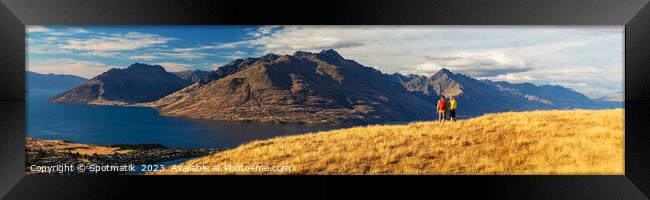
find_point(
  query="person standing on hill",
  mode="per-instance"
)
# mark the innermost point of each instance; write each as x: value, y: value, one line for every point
x: 441, y: 109
x: 452, y: 108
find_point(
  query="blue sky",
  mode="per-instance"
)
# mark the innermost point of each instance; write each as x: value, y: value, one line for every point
x: 586, y: 58
x: 178, y: 47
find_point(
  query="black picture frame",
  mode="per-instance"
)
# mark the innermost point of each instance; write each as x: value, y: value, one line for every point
x: 633, y: 14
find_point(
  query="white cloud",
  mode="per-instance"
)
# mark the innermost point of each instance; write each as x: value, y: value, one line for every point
x: 199, y: 48
x: 116, y: 42
x: 37, y: 29
x: 488, y: 64
x: 235, y: 55
x: 143, y: 57
x: 186, y: 55
x: 96, y: 45
x: 45, y: 49
x: 55, y: 33
x: 103, y: 54
x: 79, y: 30
x: 185, y: 49
x: 58, y: 32
x: 86, y: 69
x: 232, y: 45
x: 174, y: 67
x: 263, y: 31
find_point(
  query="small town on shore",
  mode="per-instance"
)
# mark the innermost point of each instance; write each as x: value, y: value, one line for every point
x: 41, y: 154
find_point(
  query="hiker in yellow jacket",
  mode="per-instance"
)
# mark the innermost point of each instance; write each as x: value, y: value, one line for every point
x: 452, y: 108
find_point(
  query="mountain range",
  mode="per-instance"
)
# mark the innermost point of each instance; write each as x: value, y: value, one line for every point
x: 309, y: 87
x: 485, y: 96
x: 36, y: 81
x: 303, y: 87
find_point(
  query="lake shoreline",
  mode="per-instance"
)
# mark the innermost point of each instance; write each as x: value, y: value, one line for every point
x: 103, y: 124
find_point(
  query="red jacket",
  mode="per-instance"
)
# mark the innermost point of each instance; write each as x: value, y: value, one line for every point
x: 441, y: 104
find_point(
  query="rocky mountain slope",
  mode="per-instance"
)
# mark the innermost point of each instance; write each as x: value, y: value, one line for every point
x: 304, y: 87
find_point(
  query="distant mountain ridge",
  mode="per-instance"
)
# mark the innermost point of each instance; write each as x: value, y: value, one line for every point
x: 52, y: 81
x: 484, y: 96
x: 612, y: 97
x: 194, y: 76
x: 134, y: 84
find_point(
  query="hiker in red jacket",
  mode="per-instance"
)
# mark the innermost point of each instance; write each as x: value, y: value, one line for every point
x: 441, y: 109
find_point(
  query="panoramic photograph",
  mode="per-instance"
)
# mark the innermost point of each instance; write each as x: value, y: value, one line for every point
x: 324, y: 100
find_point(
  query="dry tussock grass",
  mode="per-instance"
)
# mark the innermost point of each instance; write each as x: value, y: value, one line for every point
x: 538, y: 142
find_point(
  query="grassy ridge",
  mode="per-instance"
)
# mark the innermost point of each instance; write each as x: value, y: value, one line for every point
x: 538, y: 142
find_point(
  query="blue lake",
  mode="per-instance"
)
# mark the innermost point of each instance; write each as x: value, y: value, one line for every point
x: 138, y: 125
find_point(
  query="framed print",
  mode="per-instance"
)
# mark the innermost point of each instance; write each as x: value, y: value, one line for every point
x: 507, y: 99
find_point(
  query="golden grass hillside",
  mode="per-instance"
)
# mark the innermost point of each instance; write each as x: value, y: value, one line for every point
x: 538, y: 142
